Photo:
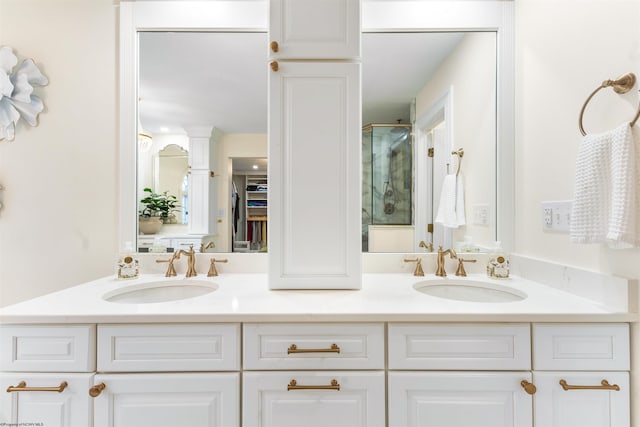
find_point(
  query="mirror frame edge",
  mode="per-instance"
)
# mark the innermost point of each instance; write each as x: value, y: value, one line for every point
x: 497, y: 15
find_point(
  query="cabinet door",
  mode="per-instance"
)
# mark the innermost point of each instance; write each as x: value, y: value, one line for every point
x: 69, y: 408
x: 268, y: 402
x: 315, y: 29
x: 168, y: 400
x: 465, y: 399
x: 594, y: 407
x: 314, y: 189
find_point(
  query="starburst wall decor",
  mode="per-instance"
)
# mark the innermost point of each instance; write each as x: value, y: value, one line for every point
x: 16, y: 92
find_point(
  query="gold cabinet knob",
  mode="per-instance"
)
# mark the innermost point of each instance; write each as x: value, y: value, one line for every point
x: 530, y: 388
x: 274, y: 46
x: 96, y: 390
x: 274, y: 65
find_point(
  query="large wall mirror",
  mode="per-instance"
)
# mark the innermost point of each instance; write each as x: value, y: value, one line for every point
x: 443, y: 84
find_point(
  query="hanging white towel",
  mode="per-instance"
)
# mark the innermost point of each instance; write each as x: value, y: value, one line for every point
x: 606, y: 206
x: 451, y: 207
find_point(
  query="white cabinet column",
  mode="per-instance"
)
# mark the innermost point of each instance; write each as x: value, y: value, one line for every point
x: 314, y: 145
x: 203, y: 195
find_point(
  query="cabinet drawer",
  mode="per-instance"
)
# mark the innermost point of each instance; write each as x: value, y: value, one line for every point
x: 154, y: 348
x: 455, y: 347
x: 28, y: 348
x: 337, y: 399
x: 309, y: 346
x: 603, y: 347
x: 595, y: 405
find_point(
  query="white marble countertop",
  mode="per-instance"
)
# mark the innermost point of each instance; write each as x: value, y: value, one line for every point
x: 246, y: 298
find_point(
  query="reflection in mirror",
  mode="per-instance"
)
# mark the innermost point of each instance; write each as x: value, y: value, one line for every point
x: 442, y: 87
x: 207, y: 93
x: 202, y: 106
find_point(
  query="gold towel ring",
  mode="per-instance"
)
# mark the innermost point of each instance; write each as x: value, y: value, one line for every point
x: 622, y: 84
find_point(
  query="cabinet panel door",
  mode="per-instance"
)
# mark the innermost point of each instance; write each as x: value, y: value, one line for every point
x: 360, y: 402
x: 314, y: 188
x: 459, y: 399
x: 555, y: 407
x: 69, y: 408
x: 315, y: 29
x: 168, y: 400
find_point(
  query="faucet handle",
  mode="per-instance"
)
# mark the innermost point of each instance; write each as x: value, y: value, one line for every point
x: 212, y: 267
x: 209, y: 245
x: 171, y: 270
x: 461, y: 271
x: 428, y: 246
x: 418, y: 271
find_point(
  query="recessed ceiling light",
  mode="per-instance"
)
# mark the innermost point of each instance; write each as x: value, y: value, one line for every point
x: 164, y: 129
x: 255, y: 166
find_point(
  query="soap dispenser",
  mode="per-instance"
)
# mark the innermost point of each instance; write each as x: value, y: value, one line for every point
x: 128, y: 266
x: 498, y: 264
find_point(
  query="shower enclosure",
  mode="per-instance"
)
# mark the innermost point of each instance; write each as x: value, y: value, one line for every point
x: 386, y: 176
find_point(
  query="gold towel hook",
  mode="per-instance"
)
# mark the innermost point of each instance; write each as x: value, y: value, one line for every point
x: 459, y: 152
x: 622, y: 84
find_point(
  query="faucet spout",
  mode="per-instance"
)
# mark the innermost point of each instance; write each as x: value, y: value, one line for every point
x: 440, y: 271
x: 191, y: 261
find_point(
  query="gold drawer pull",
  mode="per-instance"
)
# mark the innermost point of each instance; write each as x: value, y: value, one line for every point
x: 274, y: 46
x: 96, y: 390
x: 293, y: 385
x: 294, y: 349
x: 274, y: 65
x: 604, y: 386
x: 530, y: 388
x: 22, y: 386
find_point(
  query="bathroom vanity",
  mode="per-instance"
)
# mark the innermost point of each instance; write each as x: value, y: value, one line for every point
x: 241, y: 355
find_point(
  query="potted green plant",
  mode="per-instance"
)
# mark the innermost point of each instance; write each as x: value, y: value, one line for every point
x: 158, y: 209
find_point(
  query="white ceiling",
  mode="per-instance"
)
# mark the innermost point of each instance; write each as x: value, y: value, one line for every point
x: 220, y: 79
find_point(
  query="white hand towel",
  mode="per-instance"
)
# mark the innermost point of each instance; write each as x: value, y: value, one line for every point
x: 606, y: 206
x: 451, y: 207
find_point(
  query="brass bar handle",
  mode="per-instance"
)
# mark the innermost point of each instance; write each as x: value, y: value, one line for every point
x: 22, y: 386
x: 604, y: 385
x: 293, y: 385
x: 97, y: 389
x: 274, y: 46
x: 294, y: 349
x: 274, y: 65
x: 530, y: 388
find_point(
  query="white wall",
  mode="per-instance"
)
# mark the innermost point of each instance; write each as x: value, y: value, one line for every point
x: 564, y: 50
x: 58, y: 226
x: 470, y: 70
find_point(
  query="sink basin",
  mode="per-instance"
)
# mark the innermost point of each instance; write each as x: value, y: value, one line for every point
x: 469, y: 290
x: 160, y: 291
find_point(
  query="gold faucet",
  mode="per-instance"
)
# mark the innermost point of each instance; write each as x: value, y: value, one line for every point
x: 209, y: 245
x: 427, y: 246
x: 441, y: 254
x: 191, y: 261
x: 418, y: 271
x: 171, y: 270
x: 461, y: 271
x: 212, y: 268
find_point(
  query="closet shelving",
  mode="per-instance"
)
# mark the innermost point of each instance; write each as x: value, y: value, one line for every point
x: 256, y: 197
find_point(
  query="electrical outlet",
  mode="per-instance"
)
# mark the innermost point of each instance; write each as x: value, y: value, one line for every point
x: 556, y: 215
x: 481, y: 214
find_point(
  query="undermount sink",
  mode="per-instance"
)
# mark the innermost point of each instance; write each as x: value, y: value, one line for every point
x: 469, y: 290
x: 160, y: 291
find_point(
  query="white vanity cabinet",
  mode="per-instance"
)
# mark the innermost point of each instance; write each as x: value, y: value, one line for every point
x: 45, y: 373
x: 326, y: 374
x: 581, y: 375
x: 435, y: 378
x: 314, y: 145
x: 168, y: 375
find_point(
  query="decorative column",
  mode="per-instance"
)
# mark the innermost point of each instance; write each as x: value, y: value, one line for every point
x: 203, y: 194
